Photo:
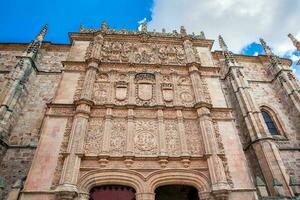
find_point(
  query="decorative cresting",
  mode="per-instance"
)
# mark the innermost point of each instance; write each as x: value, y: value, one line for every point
x: 285, y: 77
x: 263, y: 145
x: 67, y: 188
x: 219, y: 182
x: 17, y: 84
x: 296, y: 43
x: 144, y: 88
x: 144, y: 185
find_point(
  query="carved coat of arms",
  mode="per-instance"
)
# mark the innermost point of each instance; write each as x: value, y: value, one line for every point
x: 145, y: 83
x: 167, y: 91
x: 121, y: 90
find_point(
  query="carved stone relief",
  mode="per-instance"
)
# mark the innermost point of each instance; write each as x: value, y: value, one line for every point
x: 142, y: 53
x: 145, y: 139
x: 94, y: 136
x: 118, y: 136
x: 172, y: 137
x: 101, y: 93
x: 145, y: 94
x: 193, y: 135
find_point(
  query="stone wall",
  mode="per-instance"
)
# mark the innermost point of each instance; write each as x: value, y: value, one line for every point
x: 24, y: 136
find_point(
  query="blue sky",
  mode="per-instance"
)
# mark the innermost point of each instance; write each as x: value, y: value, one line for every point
x: 20, y: 20
x: 240, y: 22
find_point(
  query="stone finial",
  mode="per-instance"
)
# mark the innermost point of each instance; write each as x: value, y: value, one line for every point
x: 42, y: 33
x: 35, y: 45
x: 202, y: 35
x: 163, y: 30
x: 81, y: 28
x: 272, y: 57
x: 295, y: 41
x: 266, y: 48
x: 144, y: 27
x: 182, y: 30
x: 229, y: 58
x: 104, y: 26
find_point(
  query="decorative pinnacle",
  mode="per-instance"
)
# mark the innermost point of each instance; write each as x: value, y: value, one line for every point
x: 202, y: 35
x: 229, y: 58
x: 295, y: 41
x: 103, y: 26
x: 182, y: 30
x: 42, y: 33
x: 222, y: 44
x: 274, y: 60
x: 144, y: 27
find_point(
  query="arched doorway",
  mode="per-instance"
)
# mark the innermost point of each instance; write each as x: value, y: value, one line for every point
x: 176, y: 192
x: 112, y: 192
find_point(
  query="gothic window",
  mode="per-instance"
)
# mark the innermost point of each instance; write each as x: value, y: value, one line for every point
x: 270, y: 123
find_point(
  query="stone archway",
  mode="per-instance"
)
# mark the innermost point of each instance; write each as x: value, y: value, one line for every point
x: 176, y: 192
x: 112, y: 192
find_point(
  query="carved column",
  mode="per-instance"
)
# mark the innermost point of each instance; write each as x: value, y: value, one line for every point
x: 158, y: 89
x: 67, y: 188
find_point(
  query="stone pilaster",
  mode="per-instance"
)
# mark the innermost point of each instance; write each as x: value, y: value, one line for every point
x: 183, y: 140
x: 131, y: 96
x: 67, y: 188
x: 161, y: 133
x: 107, y: 132
x: 130, y: 133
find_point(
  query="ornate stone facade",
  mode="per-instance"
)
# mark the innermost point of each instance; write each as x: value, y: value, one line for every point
x: 146, y: 109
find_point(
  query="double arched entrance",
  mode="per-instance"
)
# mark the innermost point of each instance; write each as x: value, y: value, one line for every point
x: 166, y: 192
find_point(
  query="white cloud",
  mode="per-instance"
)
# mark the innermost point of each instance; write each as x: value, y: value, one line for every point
x: 294, y: 58
x: 240, y: 22
x: 141, y: 22
x: 255, y: 53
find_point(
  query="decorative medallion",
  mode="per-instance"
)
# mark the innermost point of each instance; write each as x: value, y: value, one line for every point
x: 145, y: 141
x: 186, y: 97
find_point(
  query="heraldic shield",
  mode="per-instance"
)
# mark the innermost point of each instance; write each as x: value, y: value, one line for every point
x: 145, y: 83
x: 145, y: 91
x: 121, y: 90
x: 167, y: 91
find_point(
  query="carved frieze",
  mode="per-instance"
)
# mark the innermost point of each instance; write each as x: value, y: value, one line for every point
x: 116, y: 51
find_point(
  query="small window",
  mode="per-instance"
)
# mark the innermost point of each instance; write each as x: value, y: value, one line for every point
x: 270, y: 123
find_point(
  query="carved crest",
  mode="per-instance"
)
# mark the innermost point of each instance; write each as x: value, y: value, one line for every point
x: 121, y: 90
x: 167, y: 91
x: 145, y: 86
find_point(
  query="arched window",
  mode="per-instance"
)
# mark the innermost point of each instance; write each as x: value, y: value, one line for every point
x: 270, y: 123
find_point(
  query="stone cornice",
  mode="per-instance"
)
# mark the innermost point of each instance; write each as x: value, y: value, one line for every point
x: 143, y: 37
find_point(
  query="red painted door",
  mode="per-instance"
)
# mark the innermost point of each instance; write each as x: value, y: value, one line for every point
x: 113, y: 192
